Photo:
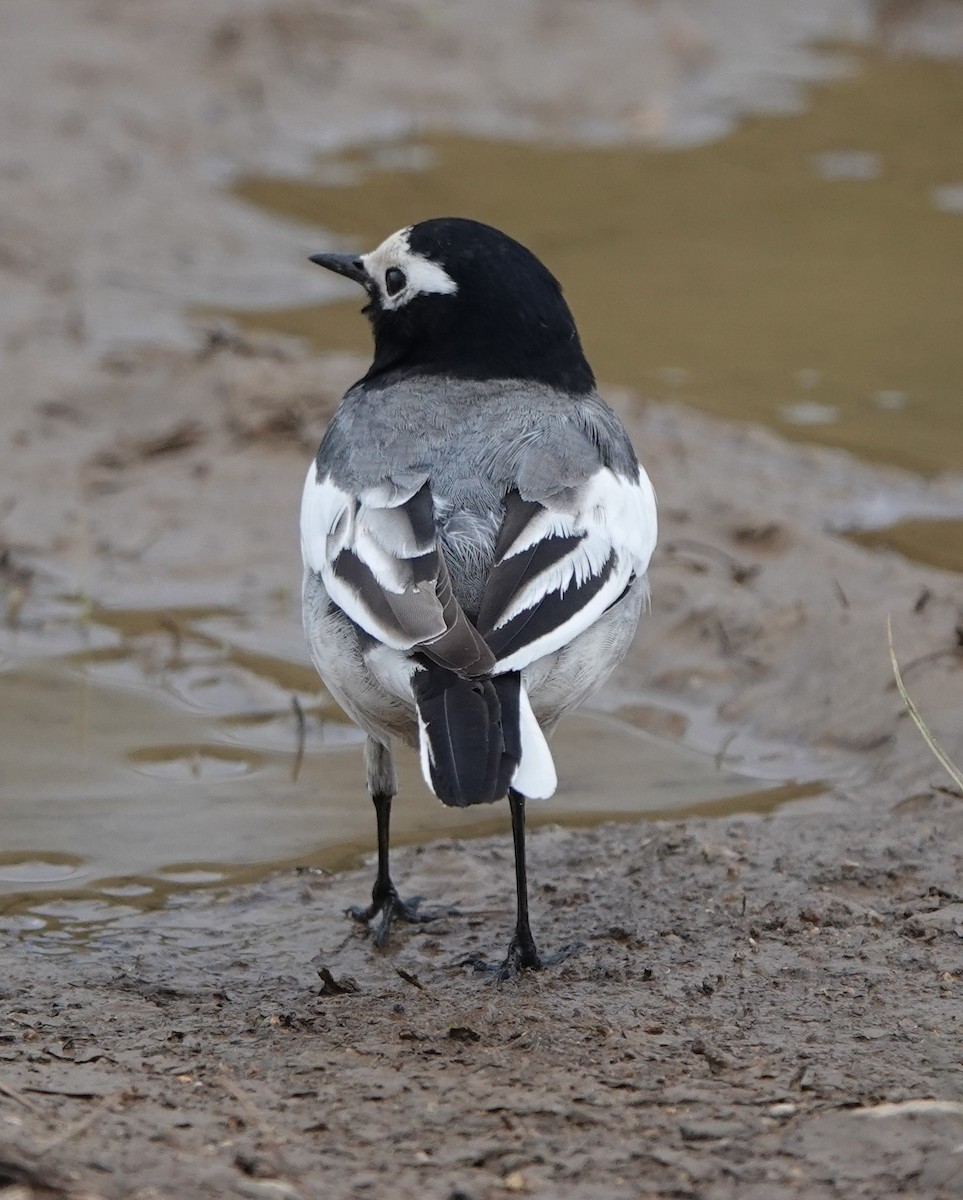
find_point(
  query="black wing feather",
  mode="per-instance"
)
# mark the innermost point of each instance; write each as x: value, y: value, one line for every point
x: 552, y: 611
x: 509, y: 576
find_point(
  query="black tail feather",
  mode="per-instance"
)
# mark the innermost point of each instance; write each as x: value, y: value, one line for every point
x: 507, y: 688
x: 471, y: 729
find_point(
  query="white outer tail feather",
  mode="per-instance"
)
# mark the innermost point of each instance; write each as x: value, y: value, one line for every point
x: 535, y: 775
x: 424, y: 753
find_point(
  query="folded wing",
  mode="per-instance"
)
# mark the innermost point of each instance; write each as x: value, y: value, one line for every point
x: 378, y: 557
x: 562, y: 561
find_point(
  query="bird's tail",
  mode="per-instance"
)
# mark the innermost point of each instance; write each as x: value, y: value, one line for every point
x: 479, y: 737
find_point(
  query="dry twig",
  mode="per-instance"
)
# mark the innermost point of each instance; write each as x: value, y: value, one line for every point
x: 942, y: 757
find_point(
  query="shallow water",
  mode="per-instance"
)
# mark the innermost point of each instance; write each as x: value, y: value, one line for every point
x: 939, y: 542
x: 155, y: 752
x: 804, y: 272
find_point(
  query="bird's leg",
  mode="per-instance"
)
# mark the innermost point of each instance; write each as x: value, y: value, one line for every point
x: 522, y: 954
x: 384, y: 896
x: 522, y: 951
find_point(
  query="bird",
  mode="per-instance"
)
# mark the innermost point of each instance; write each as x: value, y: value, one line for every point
x: 476, y: 531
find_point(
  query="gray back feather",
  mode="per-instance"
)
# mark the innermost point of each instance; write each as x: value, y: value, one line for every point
x: 475, y: 441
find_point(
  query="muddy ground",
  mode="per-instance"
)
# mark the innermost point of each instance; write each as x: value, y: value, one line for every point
x: 761, y: 1007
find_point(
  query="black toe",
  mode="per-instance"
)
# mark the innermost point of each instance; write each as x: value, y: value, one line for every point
x: 392, y: 908
x: 521, y: 956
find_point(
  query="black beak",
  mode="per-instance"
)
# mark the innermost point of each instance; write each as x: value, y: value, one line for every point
x: 349, y: 265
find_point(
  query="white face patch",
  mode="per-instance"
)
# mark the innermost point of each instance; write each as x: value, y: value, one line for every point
x: 420, y: 275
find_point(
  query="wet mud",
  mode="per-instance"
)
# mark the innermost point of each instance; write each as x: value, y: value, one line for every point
x: 756, y: 1010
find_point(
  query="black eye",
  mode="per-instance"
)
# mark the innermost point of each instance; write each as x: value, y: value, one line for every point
x: 395, y: 280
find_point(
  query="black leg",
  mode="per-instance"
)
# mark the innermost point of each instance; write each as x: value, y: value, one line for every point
x: 522, y: 954
x: 383, y: 887
x: 522, y: 951
x: 384, y: 896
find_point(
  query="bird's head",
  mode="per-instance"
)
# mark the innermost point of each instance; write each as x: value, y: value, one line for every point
x: 457, y: 298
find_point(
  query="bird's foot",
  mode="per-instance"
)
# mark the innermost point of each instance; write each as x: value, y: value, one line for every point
x: 389, y: 904
x: 522, y: 955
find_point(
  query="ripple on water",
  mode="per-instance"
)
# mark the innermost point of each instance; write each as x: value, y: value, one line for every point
x: 41, y: 868
x: 122, y: 891
x: 192, y: 875
x: 190, y: 762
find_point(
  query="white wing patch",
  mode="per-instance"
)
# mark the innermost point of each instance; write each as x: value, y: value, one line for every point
x: 378, y: 557
x: 608, y: 535
x: 372, y: 530
x: 325, y: 513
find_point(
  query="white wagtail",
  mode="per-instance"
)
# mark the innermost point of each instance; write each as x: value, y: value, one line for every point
x: 475, y: 529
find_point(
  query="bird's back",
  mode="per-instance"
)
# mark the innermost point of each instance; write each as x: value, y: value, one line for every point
x: 475, y: 441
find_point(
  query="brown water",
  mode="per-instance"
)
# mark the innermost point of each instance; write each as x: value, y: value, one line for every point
x: 153, y: 751
x: 805, y: 272
x: 938, y: 542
